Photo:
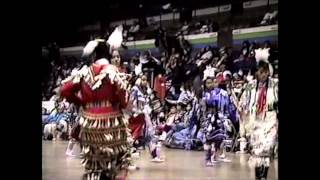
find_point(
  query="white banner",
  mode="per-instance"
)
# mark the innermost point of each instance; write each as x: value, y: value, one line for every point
x: 252, y: 4
x: 201, y: 36
x: 132, y: 43
x: 255, y: 29
x: 225, y: 8
x: 153, y: 18
x: 206, y: 11
x: 142, y: 42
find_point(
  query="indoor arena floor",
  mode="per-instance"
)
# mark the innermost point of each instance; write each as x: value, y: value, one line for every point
x: 179, y: 165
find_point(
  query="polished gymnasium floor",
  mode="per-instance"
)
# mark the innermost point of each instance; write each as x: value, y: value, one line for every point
x: 179, y: 165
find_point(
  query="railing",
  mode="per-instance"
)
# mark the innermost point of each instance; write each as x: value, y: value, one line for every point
x: 206, y: 38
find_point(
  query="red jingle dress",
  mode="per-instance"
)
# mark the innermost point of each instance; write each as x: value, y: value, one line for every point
x: 104, y: 133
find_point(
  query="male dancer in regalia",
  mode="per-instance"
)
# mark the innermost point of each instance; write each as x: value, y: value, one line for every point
x: 259, y: 104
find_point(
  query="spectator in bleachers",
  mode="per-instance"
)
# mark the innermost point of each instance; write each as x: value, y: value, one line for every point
x: 185, y: 28
x: 246, y: 64
x: 245, y: 48
x: 269, y: 18
x: 184, y: 45
x: 134, y: 28
x: 204, y: 28
x: 181, y: 67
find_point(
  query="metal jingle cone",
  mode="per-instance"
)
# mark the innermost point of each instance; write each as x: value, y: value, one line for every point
x: 108, y: 123
x: 81, y: 120
x: 116, y: 122
x: 90, y: 124
x: 85, y: 123
x: 84, y: 162
x: 95, y: 137
x: 111, y: 120
x: 92, y: 137
x: 88, y: 137
x: 83, y: 136
x: 96, y: 176
x: 95, y: 124
x: 101, y: 138
x: 116, y: 135
x: 106, y: 137
x: 87, y: 149
x: 98, y: 124
x: 98, y: 138
x: 111, y: 136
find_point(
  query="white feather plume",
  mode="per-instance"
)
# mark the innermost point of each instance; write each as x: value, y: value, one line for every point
x: 115, y: 39
x: 89, y: 48
x: 262, y: 54
x: 209, y: 72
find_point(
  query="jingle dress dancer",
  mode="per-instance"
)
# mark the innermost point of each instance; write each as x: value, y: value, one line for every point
x: 104, y: 134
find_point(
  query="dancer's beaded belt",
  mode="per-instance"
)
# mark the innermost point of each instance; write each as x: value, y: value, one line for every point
x: 100, y: 104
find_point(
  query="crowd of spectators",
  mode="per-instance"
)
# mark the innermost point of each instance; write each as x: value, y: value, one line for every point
x: 174, y: 76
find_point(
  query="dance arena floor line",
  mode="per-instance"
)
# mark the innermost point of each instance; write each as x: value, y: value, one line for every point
x: 179, y: 165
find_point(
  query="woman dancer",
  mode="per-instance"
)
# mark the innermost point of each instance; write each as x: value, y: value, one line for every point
x: 104, y: 133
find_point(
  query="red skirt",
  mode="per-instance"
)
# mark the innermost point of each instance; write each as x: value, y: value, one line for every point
x: 136, y: 124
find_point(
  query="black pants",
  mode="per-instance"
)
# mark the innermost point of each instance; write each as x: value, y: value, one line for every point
x: 261, y: 172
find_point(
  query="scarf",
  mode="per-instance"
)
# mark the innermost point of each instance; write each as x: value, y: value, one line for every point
x: 262, y: 99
